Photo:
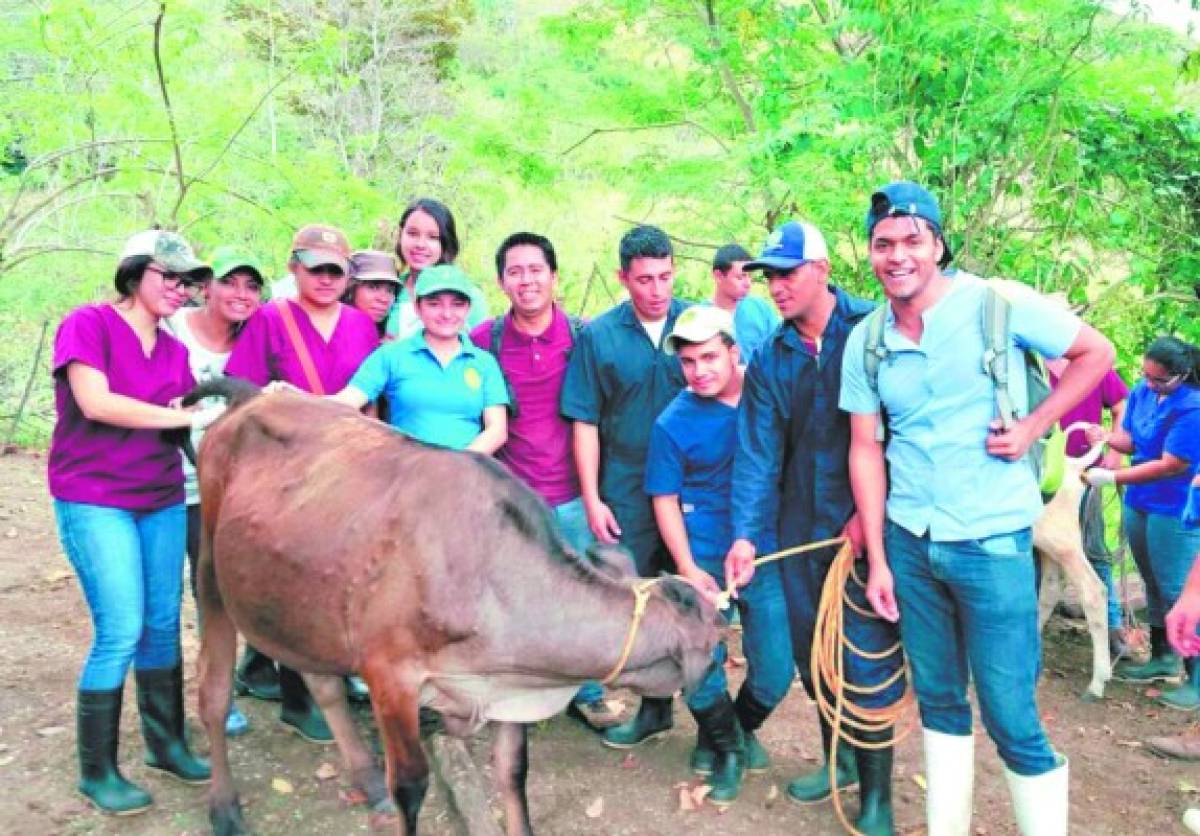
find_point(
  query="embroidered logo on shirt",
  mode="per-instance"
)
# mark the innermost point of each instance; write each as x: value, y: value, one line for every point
x: 472, y: 378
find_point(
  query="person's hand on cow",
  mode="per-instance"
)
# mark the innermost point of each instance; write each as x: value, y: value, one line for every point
x: 280, y: 386
x: 739, y: 564
x: 1011, y: 444
x: 602, y: 522
x: 881, y: 591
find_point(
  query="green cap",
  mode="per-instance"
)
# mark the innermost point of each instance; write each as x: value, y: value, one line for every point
x: 442, y: 277
x: 227, y: 259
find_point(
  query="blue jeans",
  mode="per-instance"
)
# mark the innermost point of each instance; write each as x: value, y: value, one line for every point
x: 1163, y: 550
x: 130, y: 565
x: 969, y: 608
x: 1104, y: 571
x: 573, y: 526
x: 765, y: 641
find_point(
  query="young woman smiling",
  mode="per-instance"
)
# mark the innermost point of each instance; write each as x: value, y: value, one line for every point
x: 427, y: 236
x: 118, y: 501
x: 441, y: 388
x: 208, y: 332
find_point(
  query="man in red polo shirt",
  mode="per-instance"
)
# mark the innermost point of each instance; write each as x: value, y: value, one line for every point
x: 532, y: 343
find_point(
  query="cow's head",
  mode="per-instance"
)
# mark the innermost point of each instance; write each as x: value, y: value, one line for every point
x: 678, y: 635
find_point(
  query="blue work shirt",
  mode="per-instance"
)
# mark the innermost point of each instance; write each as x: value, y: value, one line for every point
x: 1191, y: 511
x: 620, y: 381
x: 791, y: 476
x: 437, y: 404
x: 691, y: 456
x: 754, y: 320
x: 1170, y: 425
x: 939, y: 403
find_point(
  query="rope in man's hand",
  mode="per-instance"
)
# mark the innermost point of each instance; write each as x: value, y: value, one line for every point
x: 835, y: 697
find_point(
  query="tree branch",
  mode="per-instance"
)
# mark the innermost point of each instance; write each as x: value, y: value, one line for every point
x: 162, y: 86
x: 659, y: 126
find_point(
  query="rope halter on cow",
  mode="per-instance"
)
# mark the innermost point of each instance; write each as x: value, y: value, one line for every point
x: 641, y: 597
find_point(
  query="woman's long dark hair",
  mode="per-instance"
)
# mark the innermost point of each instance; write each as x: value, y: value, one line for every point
x: 444, y: 219
x: 129, y: 274
x: 1177, y: 357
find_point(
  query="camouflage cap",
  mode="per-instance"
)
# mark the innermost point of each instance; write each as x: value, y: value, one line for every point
x: 373, y: 266
x: 169, y: 250
x: 317, y: 244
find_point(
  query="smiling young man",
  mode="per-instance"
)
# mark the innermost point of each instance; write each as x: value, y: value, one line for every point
x: 532, y: 343
x: 792, y: 487
x: 688, y: 477
x: 947, y: 519
x: 618, y: 381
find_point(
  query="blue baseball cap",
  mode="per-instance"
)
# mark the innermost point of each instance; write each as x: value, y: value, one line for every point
x: 789, y: 246
x: 904, y: 197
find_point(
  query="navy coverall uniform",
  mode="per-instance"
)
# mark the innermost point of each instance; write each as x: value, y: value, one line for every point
x: 620, y: 381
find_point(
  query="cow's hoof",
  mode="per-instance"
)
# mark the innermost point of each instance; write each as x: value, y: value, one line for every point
x: 227, y: 820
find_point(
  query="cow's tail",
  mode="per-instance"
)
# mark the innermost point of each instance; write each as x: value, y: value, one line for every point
x: 233, y: 390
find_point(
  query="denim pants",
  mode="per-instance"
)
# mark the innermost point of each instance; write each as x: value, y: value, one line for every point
x: 765, y: 641
x: 573, y: 526
x: 968, y: 609
x: 130, y: 565
x: 1163, y: 550
x: 1104, y: 571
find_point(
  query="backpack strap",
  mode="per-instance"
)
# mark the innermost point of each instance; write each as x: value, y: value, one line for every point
x: 497, y: 331
x: 293, y: 331
x: 575, y: 323
x: 996, y: 313
x: 874, y: 353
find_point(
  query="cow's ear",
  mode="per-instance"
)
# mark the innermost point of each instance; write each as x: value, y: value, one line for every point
x: 680, y: 592
x: 612, y: 561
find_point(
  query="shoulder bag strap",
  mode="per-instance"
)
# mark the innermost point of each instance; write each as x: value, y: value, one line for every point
x: 293, y: 332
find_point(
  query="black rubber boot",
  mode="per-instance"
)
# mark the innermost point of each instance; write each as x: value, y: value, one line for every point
x: 875, y: 816
x: 256, y: 676
x: 703, y: 757
x: 653, y: 719
x: 720, y: 724
x: 751, y: 715
x: 814, y: 787
x: 160, y: 702
x: 98, y: 728
x: 299, y: 713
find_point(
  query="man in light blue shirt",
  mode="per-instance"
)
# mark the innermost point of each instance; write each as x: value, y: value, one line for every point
x: 754, y: 319
x: 954, y: 562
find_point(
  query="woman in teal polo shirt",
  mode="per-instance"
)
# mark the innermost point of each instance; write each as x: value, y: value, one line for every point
x: 440, y: 388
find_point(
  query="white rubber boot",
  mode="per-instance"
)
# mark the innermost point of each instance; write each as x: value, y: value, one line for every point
x: 950, y: 783
x: 1040, y: 802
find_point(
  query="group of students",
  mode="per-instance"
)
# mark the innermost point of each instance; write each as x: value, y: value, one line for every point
x: 698, y: 437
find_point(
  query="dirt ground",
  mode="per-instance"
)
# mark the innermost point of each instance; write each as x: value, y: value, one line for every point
x: 576, y: 786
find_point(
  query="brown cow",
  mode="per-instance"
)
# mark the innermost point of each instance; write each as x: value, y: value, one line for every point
x: 338, y: 546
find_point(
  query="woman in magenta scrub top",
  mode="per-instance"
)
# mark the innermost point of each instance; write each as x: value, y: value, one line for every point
x: 118, y: 501
x: 337, y: 338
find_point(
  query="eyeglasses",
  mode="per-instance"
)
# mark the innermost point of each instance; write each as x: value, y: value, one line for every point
x: 326, y: 270
x: 177, y: 281
x: 1161, y: 382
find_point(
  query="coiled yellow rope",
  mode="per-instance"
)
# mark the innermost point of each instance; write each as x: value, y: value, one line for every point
x: 835, y: 696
